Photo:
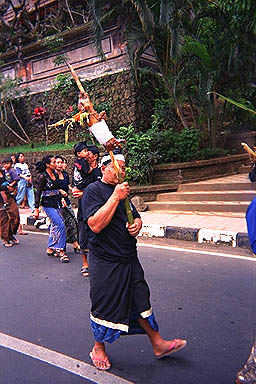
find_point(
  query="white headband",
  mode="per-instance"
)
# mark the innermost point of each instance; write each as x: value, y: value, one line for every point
x: 107, y: 159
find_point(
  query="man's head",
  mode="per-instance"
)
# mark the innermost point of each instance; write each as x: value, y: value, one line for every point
x: 80, y: 149
x: 7, y: 164
x: 108, y: 169
x: 93, y: 153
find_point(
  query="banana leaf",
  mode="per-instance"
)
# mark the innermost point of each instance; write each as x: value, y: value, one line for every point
x: 234, y: 102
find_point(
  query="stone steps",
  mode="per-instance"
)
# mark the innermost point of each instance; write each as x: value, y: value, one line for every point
x: 207, y: 196
x: 202, y: 187
x: 199, y: 206
x: 245, y: 169
x: 231, y: 194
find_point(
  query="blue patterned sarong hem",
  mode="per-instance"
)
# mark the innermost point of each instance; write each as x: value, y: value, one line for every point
x: 104, y: 334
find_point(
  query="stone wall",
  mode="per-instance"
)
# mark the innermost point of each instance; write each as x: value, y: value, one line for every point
x: 198, y: 170
x: 125, y: 103
x: 234, y: 141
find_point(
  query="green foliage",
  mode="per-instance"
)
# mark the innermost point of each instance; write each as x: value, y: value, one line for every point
x: 53, y: 43
x: 60, y: 60
x: 65, y: 84
x: 188, y: 143
x: 242, y: 13
x: 10, y: 88
x: 164, y: 116
x: 176, y: 146
x: 140, y: 154
x: 194, y: 47
x: 38, y: 147
x: 144, y: 150
x: 210, y: 153
x: 104, y: 106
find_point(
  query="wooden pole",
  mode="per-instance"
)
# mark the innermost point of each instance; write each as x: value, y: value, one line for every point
x: 250, y: 152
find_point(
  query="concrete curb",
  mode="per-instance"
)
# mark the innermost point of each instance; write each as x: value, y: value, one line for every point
x: 199, y: 235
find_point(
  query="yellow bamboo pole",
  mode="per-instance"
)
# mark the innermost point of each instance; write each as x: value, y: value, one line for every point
x: 76, y: 78
x: 249, y: 150
x: 120, y: 180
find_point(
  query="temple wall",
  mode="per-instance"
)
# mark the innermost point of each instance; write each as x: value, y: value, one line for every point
x: 111, y: 84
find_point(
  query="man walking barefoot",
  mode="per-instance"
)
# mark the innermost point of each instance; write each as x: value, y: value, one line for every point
x: 120, y: 296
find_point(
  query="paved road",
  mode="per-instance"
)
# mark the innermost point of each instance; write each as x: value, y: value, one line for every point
x: 207, y: 299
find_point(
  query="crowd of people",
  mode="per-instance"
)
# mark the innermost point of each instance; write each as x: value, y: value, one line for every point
x: 15, y: 184
x: 52, y: 193
x: 119, y: 293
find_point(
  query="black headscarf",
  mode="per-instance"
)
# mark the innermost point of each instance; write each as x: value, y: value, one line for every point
x: 80, y: 146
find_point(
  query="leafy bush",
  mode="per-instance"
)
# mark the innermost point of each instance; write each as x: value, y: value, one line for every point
x: 171, y: 144
x: 211, y: 153
x: 176, y: 146
x: 164, y: 114
x: 65, y: 84
x: 140, y: 154
x: 188, y: 143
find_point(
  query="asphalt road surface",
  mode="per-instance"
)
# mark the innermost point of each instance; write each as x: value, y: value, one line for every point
x: 201, y: 295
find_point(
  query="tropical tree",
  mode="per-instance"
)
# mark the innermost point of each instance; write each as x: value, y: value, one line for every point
x: 148, y: 24
x: 10, y: 91
x: 199, y: 47
x: 243, y: 14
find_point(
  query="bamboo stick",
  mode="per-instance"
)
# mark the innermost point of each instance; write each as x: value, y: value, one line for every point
x: 249, y: 150
x: 76, y: 78
x: 120, y: 180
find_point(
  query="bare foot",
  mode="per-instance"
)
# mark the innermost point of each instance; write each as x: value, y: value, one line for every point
x: 100, y: 359
x: 169, y: 347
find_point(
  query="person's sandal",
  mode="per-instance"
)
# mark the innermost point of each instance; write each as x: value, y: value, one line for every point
x: 84, y: 271
x: 64, y: 258
x: 51, y: 254
x: 14, y: 240
x: 100, y: 364
x: 7, y: 244
x: 175, y: 346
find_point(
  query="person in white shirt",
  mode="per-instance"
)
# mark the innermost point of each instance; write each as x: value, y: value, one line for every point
x: 25, y: 186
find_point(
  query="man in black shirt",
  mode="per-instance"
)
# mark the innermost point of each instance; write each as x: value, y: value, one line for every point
x: 86, y: 171
x: 82, y: 170
x: 119, y: 294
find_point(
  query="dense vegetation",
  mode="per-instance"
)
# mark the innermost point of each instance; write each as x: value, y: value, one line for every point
x: 200, y: 47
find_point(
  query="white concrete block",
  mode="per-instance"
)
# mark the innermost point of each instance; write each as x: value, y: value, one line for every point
x: 217, y: 236
x: 152, y: 230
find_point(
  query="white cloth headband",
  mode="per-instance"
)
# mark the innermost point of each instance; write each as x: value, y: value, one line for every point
x: 107, y: 158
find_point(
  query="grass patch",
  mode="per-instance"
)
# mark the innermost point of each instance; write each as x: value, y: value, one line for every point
x: 38, y: 147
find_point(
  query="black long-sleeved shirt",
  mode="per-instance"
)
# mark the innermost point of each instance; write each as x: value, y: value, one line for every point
x: 48, y: 191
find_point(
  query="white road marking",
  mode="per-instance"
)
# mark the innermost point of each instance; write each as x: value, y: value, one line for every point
x: 187, y: 250
x: 57, y: 359
x: 220, y: 254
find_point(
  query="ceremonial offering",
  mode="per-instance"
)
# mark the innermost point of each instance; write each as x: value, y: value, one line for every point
x: 98, y: 127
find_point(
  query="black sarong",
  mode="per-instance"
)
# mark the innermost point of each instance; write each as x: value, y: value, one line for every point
x: 119, y: 295
x: 118, y: 291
